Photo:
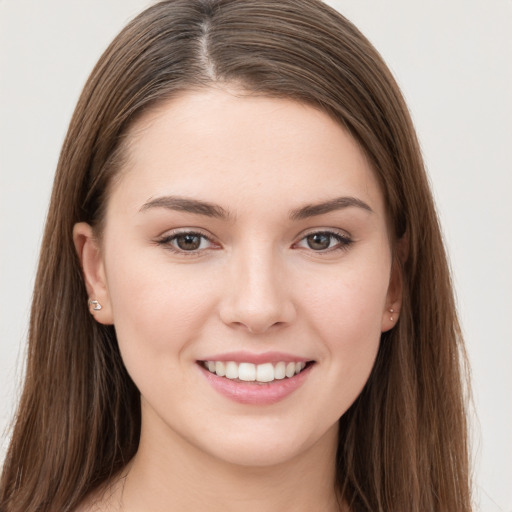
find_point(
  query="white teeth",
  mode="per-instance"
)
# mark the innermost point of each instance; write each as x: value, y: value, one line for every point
x: 265, y: 372
x: 290, y: 370
x: 231, y: 370
x: 220, y: 369
x: 280, y: 371
x: 249, y: 372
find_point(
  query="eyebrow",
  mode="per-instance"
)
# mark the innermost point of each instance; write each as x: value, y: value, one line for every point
x: 339, y: 203
x: 184, y: 204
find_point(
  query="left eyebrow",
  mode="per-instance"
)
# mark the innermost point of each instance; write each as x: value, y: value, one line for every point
x: 339, y: 203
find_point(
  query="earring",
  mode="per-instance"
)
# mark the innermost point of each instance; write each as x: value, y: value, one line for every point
x: 96, y: 306
x: 391, y: 310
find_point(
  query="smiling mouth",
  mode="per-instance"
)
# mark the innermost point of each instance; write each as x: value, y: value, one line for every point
x: 258, y: 373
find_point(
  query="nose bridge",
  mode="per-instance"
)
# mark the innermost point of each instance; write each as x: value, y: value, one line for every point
x: 257, y: 294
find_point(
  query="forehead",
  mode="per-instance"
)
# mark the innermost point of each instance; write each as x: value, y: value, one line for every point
x: 225, y: 145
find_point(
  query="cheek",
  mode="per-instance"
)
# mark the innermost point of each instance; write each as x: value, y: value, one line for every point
x: 346, y: 313
x: 351, y: 298
x: 158, y: 310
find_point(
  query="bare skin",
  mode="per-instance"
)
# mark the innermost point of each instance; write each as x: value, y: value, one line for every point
x: 244, y: 225
x: 302, y: 488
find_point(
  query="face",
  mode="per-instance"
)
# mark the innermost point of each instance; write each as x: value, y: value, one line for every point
x: 246, y: 266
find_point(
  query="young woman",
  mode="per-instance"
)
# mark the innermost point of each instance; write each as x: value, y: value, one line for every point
x: 243, y: 300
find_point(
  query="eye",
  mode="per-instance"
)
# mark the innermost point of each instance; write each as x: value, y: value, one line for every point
x: 186, y: 242
x: 322, y: 241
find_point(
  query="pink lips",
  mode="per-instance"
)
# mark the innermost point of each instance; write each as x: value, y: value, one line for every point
x: 255, y: 393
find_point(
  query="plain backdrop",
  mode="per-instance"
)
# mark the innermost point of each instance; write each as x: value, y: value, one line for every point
x: 453, y: 60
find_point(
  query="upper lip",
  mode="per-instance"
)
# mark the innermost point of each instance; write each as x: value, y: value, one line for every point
x: 250, y: 357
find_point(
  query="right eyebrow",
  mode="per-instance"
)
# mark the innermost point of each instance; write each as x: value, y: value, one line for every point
x: 185, y: 204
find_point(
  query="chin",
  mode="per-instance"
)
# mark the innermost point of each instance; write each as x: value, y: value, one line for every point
x: 268, y: 446
x: 259, y: 455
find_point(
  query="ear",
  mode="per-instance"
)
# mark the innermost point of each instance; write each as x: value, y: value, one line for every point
x: 395, y: 289
x: 93, y: 269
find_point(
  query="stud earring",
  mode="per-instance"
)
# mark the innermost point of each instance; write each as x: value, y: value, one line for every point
x: 96, y: 306
x: 391, y: 310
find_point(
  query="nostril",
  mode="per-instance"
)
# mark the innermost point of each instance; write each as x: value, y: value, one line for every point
x: 254, y: 328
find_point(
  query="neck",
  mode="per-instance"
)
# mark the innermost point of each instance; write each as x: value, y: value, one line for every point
x: 169, y: 474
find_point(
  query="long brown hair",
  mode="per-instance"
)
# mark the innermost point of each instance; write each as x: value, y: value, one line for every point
x: 403, y: 443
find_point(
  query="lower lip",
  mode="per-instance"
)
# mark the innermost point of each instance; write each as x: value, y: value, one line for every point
x: 256, y: 393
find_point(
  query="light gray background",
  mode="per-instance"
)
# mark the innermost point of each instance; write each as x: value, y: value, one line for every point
x: 453, y: 60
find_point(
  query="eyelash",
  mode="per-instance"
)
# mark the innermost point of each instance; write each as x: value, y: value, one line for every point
x: 343, y: 242
x: 167, y: 242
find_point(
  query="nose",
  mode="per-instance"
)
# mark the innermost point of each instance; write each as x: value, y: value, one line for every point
x: 258, y: 295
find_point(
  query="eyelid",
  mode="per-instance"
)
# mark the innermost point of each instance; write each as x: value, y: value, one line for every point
x: 166, y: 238
x: 331, y: 231
x: 187, y: 230
x: 344, y: 239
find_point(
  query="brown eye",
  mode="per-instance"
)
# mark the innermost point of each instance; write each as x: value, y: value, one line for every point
x: 319, y: 241
x: 188, y: 242
x: 325, y: 241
